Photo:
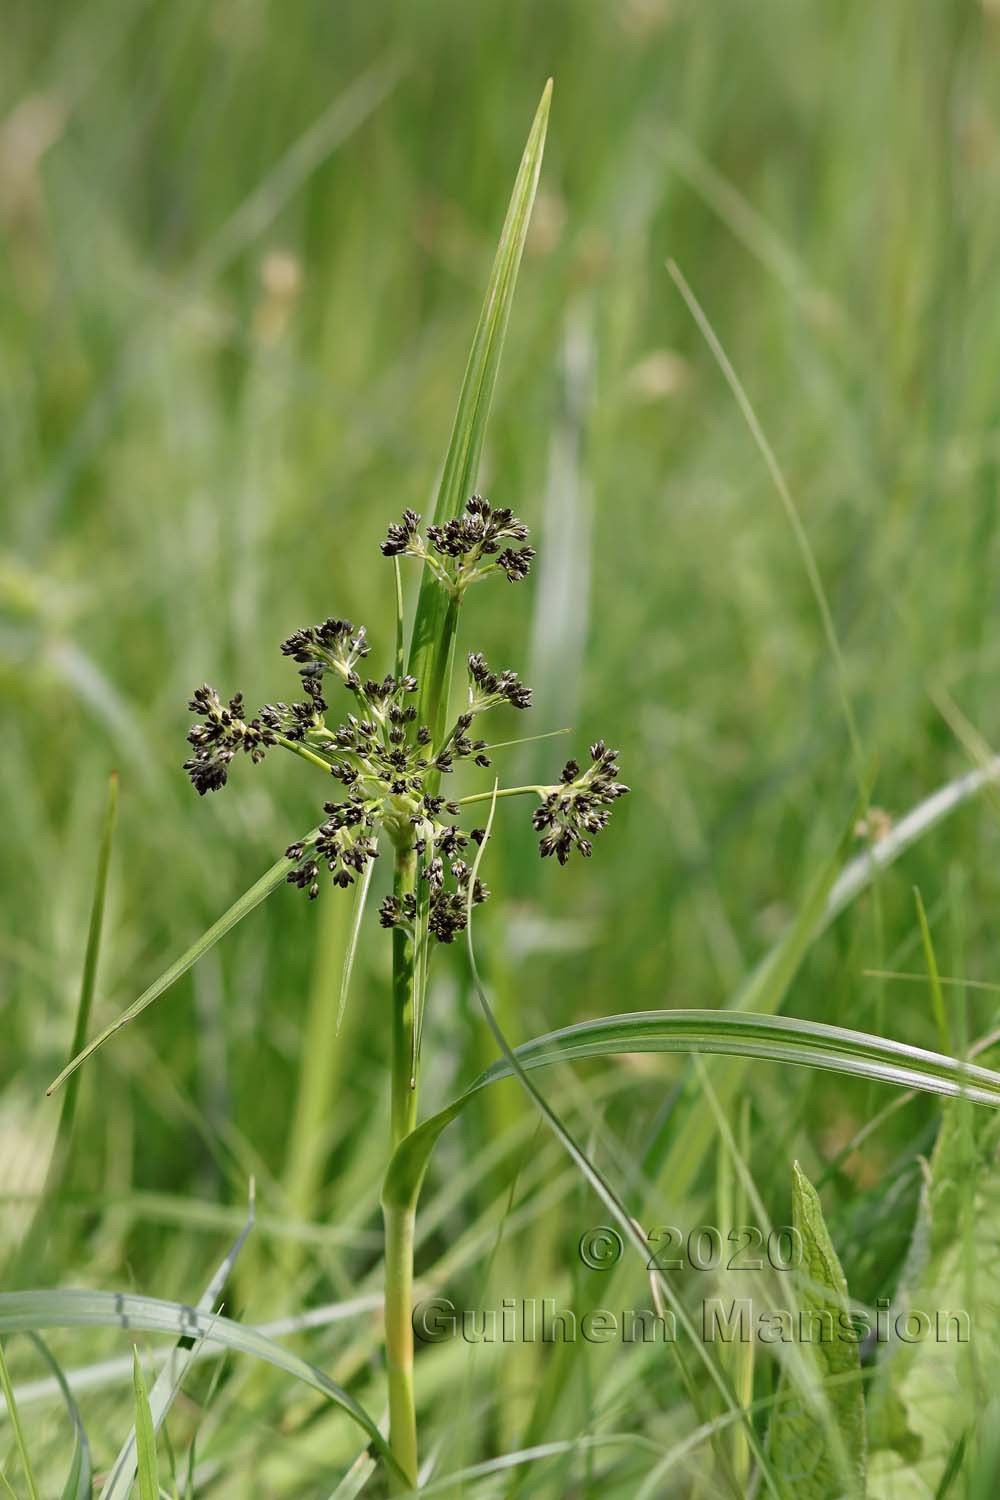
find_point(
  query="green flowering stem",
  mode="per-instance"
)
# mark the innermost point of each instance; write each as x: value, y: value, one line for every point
x: 399, y: 1220
x: 297, y: 749
x: 506, y: 791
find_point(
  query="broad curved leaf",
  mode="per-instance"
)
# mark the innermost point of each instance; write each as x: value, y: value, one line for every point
x: 31, y: 1311
x: 735, y: 1033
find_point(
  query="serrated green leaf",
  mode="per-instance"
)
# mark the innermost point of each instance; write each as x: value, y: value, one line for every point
x: 929, y: 1393
x: 821, y: 1454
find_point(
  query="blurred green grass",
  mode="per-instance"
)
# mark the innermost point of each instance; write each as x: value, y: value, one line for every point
x: 244, y: 246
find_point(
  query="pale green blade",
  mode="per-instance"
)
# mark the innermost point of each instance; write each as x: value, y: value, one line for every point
x: 250, y: 899
x: 433, y: 642
x: 15, y: 1421
x: 31, y: 1311
x: 149, y: 1485
x: 89, y: 979
x: 361, y: 889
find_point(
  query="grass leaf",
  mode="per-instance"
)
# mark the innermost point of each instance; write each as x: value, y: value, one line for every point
x: 433, y: 644
x: 250, y: 899
x: 15, y: 1421
x: 149, y: 1485
x: 361, y: 890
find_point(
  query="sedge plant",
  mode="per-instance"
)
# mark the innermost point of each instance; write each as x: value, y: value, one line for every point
x: 394, y: 753
x: 395, y: 748
x: 392, y: 764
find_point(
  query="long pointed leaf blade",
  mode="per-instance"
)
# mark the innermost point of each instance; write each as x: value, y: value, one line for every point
x: 357, y: 916
x: 250, y: 899
x: 15, y: 1421
x: 89, y: 980
x: 432, y: 644
x: 149, y: 1485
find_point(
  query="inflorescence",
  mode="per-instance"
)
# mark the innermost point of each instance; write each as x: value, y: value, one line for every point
x: 385, y: 759
x: 466, y: 549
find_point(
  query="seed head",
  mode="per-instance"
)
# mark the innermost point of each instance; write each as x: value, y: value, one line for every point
x: 580, y: 806
x: 488, y: 688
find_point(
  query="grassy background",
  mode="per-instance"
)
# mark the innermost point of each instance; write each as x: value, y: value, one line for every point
x: 244, y: 247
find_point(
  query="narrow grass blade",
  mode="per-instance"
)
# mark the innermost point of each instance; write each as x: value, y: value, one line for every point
x: 791, y: 510
x: 250, y: 899
x: 118, y: 1485
x: 111, y: 1372
x: 25, y: 1265
x: 361, y: 889
x: 933, y: 976
x: 433, y: 642
x: 89, y: 979
x: 79, y: 1480
x: 149, y: 1485
x: 15, y: 1421
x: 397, y: 579
x: 826, y: 900
x: 33, y: 1311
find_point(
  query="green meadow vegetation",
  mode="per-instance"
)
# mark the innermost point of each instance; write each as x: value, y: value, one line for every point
x: 733, y: 1080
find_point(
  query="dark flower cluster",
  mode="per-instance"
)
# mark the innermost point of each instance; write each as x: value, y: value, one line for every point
x: 580, y: 806
x: 489, y: 689
x: 471, y: 542
x: 388, y: 762
x: 225, y: 731
x: 447, y: 877
x: 345, y: 843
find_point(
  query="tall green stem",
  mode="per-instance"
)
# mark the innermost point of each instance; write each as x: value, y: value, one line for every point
x: 399, y: 1221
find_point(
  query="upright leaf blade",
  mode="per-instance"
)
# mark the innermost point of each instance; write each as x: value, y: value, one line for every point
x: 15, y: 1422
x: 149, y: 1485
x: 433, y: 643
